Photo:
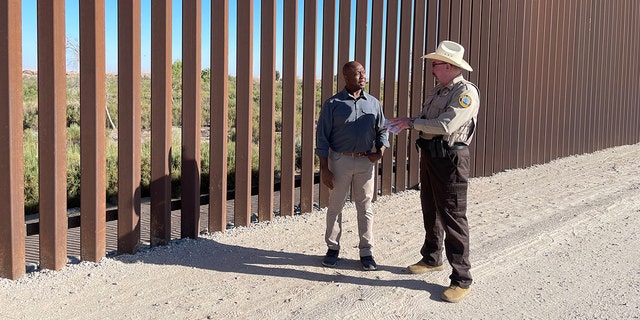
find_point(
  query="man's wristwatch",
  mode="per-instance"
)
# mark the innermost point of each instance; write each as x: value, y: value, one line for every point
x: 411, y: 124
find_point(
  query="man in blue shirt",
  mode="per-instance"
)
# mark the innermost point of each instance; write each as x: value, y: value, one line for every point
x: 350, y: 139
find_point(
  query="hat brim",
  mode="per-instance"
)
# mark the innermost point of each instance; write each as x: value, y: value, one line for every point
x: 462, y: 64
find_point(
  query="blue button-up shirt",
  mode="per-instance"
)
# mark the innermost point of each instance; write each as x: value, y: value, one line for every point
x: 347, y: 124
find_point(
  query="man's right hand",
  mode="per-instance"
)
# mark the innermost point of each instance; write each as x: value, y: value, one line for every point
x: 327, y: 178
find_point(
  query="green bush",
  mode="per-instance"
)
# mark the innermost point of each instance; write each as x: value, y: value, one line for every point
x: 30, y: 124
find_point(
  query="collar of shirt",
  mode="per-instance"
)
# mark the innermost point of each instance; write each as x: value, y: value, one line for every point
x: 363, y: 94
x: 442, y: 90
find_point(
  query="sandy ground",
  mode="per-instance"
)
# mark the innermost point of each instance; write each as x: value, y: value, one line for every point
x: 555, y: 241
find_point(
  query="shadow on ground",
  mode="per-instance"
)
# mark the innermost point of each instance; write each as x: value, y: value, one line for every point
x: 212, y: 255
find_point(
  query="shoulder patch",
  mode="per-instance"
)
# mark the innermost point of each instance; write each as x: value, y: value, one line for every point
x: 464, y: 100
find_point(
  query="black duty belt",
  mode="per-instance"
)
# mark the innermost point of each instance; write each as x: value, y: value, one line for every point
x: 437, y: 147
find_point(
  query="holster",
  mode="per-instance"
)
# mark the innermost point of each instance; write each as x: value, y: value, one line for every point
x: 435, y: 148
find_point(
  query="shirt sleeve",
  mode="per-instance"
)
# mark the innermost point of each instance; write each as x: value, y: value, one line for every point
x: 382, y: 134
x: 461, y: 109
x: 323, y: 131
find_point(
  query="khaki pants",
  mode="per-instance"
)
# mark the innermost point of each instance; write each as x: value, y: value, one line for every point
x: 348, y: 171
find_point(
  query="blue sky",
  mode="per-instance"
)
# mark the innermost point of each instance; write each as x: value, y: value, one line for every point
x: 29, y: 29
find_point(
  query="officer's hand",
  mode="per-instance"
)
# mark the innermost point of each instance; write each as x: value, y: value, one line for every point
x: 396, y: 125
x: 327, y: 178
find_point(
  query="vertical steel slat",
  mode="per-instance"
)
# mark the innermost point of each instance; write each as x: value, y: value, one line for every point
x: 12, y: 231
x: 594, y: 46
x: 584, y: 77
x: 620, y: 38
x: 431, y: 43
x: 630, y: 126
x: 539, y: 81
x: 191, y: 118
x: 597, y: 130
x: 525, y: 72
x: 465, y: 39
x: 415, y: 98
x: 219, y: 115
x: 388, y: 99
x: 636, y: 68
x: 607, y: 136
x: 289, y: 110
x: 308, y: 105
x: 52, y: 134
x: 509, y: 108
x: 502, y: 107
x: 631, y: 135
x: 455, y: 21
x: 560, y: 63
x: 492, y: 88
x: 624, y: 44
x: 573, y: 77
x: 161, y: 104
x: 344, y: 35
x: 328, y: 72
x: 570, y: 130
x: 482, y: 70
x: 600, y: 124
x: 375, y: 54
x: 547, y: 93
x: 362, y: 26
x: 539, y: 74
x: 580, y: 80
x: 544, y: 92
x: 404, y: 58
x: 594, y: 133
x: 472, y: 42
x: 444, y: 20
x: 267, y: 109
x: 129, y: 125
x: 535, y: 64
x: 93, y: 241
x: 565, y: 101
x: 244, y: 115
x: 543, y: 141
x: 513, y: 82
x: 375, y: 65
x: 466, y: 18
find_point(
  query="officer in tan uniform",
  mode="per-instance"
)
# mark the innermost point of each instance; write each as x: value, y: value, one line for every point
x: 447, y: 124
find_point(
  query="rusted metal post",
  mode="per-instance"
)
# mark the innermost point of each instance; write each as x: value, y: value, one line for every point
x: 415, y: 100
x: 308, y: 105
x: 219, y: 115
x: 344, y: 36
x: 267, y: 110
x: 52, y: 134
x: 404, y: 58
x: 374, y: 72
x: 362, y: 27
x: 388, y: 100
x: 93, y: 223
x: 191, y: 118
x: 244, y: 114
x: 161, y: 104
x: 12, y: 231
x: 289, y: 111
x: 328, y: 71
x: 129, y: 126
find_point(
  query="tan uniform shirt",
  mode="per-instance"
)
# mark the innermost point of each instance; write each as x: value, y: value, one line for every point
x: 451, y: 112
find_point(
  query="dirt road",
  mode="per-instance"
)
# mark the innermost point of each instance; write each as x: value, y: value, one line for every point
x: 555, y: 241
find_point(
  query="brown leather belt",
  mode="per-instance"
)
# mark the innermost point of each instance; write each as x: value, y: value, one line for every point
x: 355, y: 154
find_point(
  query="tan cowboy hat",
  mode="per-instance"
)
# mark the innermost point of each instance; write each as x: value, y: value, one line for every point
x: 450, y: 52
